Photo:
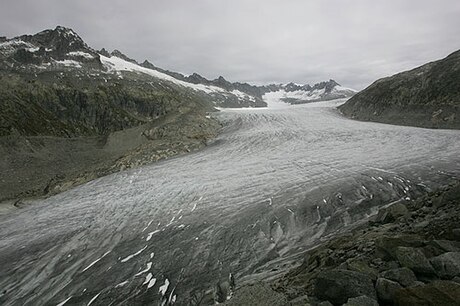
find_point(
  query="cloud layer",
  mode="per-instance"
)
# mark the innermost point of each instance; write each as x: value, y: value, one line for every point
x: 260, y: 41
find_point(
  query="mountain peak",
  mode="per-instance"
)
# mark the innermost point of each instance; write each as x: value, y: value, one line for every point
x: 118, y: 54
x: 58, y: 41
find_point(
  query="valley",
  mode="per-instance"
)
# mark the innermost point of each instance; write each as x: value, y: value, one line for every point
x: 274, y: 183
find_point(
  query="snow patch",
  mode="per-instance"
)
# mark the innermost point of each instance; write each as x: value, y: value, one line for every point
x: 81, y: 54
x: 69, y: 63
x: 164, y: 287
x: 133, y: 255
x: 65, y: 301
x: 116, y: 64
x: 94, y: 262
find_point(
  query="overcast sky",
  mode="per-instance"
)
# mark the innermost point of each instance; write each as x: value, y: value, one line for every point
x: 259, y: 41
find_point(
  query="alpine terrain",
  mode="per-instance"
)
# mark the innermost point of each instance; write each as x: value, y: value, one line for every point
x: 126, y: 184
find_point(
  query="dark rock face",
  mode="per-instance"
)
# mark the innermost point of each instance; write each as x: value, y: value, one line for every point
x: 428, y: 96
x: 391, y: 213
x: 361, y: 301
x: 258, y: 294
x: 414, y: 259
x: 337, y: 286
x: 386, y: 289
x: 60, y: 41
x: 403, y: 276
x: 118, y: 53
x: 444, y: 293
x: 447, y: 265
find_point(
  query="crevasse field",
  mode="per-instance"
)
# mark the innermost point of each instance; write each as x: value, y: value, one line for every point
x: 274, y: 182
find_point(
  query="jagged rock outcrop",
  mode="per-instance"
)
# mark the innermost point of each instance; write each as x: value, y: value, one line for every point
x: 427, y: 96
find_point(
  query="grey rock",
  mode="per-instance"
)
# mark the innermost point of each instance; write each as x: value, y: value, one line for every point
x: 387, y: 245
x: 456, y: 233
x: 386, y: 289
x: 432, y: 87
x: 257, y: 295
x: 361, y: 301
x: 337, y: 286
x: 300, y: 301
x: 447, y: 265
x: 446, y: 245
x: 444, y: 293
x: 414, y: 259
x: 391, y: 213
x: 403, y: 276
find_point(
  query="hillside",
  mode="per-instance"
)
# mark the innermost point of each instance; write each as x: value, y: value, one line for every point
x: 427, y: 96
x: 70, y: 113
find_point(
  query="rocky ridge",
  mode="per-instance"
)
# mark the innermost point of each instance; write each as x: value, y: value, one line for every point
x: 427, y: 96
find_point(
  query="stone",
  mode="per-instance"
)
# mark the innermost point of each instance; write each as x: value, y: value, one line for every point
x: 391, y: 213
x: 442, y: 292
x: 337, y: 286
x: 456, y: 233
x: 447, y: 265
x: 258, y: 294
x: 386, y: 289
x: 414, y: 259
x: 300, y: 301
x: 403, y: 276
x: 361, y: 301
x: 386, y: 245
x: 362, y: 267
x: 446, y: 245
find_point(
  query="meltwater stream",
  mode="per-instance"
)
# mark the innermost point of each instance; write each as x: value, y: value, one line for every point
x: 274, y: 182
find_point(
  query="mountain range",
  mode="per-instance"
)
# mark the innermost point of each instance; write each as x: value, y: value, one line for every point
x: 427, y: 96
x: 70, y: 113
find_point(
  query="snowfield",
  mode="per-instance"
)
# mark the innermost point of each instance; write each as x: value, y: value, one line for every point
x: 116, y: 64
x: 274, y: 182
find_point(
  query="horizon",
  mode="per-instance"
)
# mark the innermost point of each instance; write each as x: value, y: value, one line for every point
x: 352, y: 43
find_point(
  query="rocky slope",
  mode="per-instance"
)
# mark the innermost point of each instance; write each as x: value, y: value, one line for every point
x: 290, y: 93
x: 427, y: 96
x: 69, y: 114
x: 408, y: 254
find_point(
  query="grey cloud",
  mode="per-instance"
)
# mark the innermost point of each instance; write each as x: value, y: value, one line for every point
x: 352, y: 41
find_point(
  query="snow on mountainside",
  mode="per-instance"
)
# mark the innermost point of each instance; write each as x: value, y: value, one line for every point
x: 298, y: 94
x: 116, y: 64
x: 62, y: 51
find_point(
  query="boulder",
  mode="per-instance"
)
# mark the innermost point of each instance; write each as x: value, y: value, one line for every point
x: 258, y: 294
x: 337, y: 286
x: 386, y: 245
x: 391, y: 213
x: 403, y: 276
x: 361, y: 301
x: 444, y: 293
x: 446, y: 245
x: 300, y: 301
x: 414, y: 259
x: 386, y: 289
x: 362, y: 267
x: 447, y: 265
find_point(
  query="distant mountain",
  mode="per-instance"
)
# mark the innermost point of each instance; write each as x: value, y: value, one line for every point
x: 53, y: 83
x: 427, y: 96
x: 290, y: 93
x: 298, y: 94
